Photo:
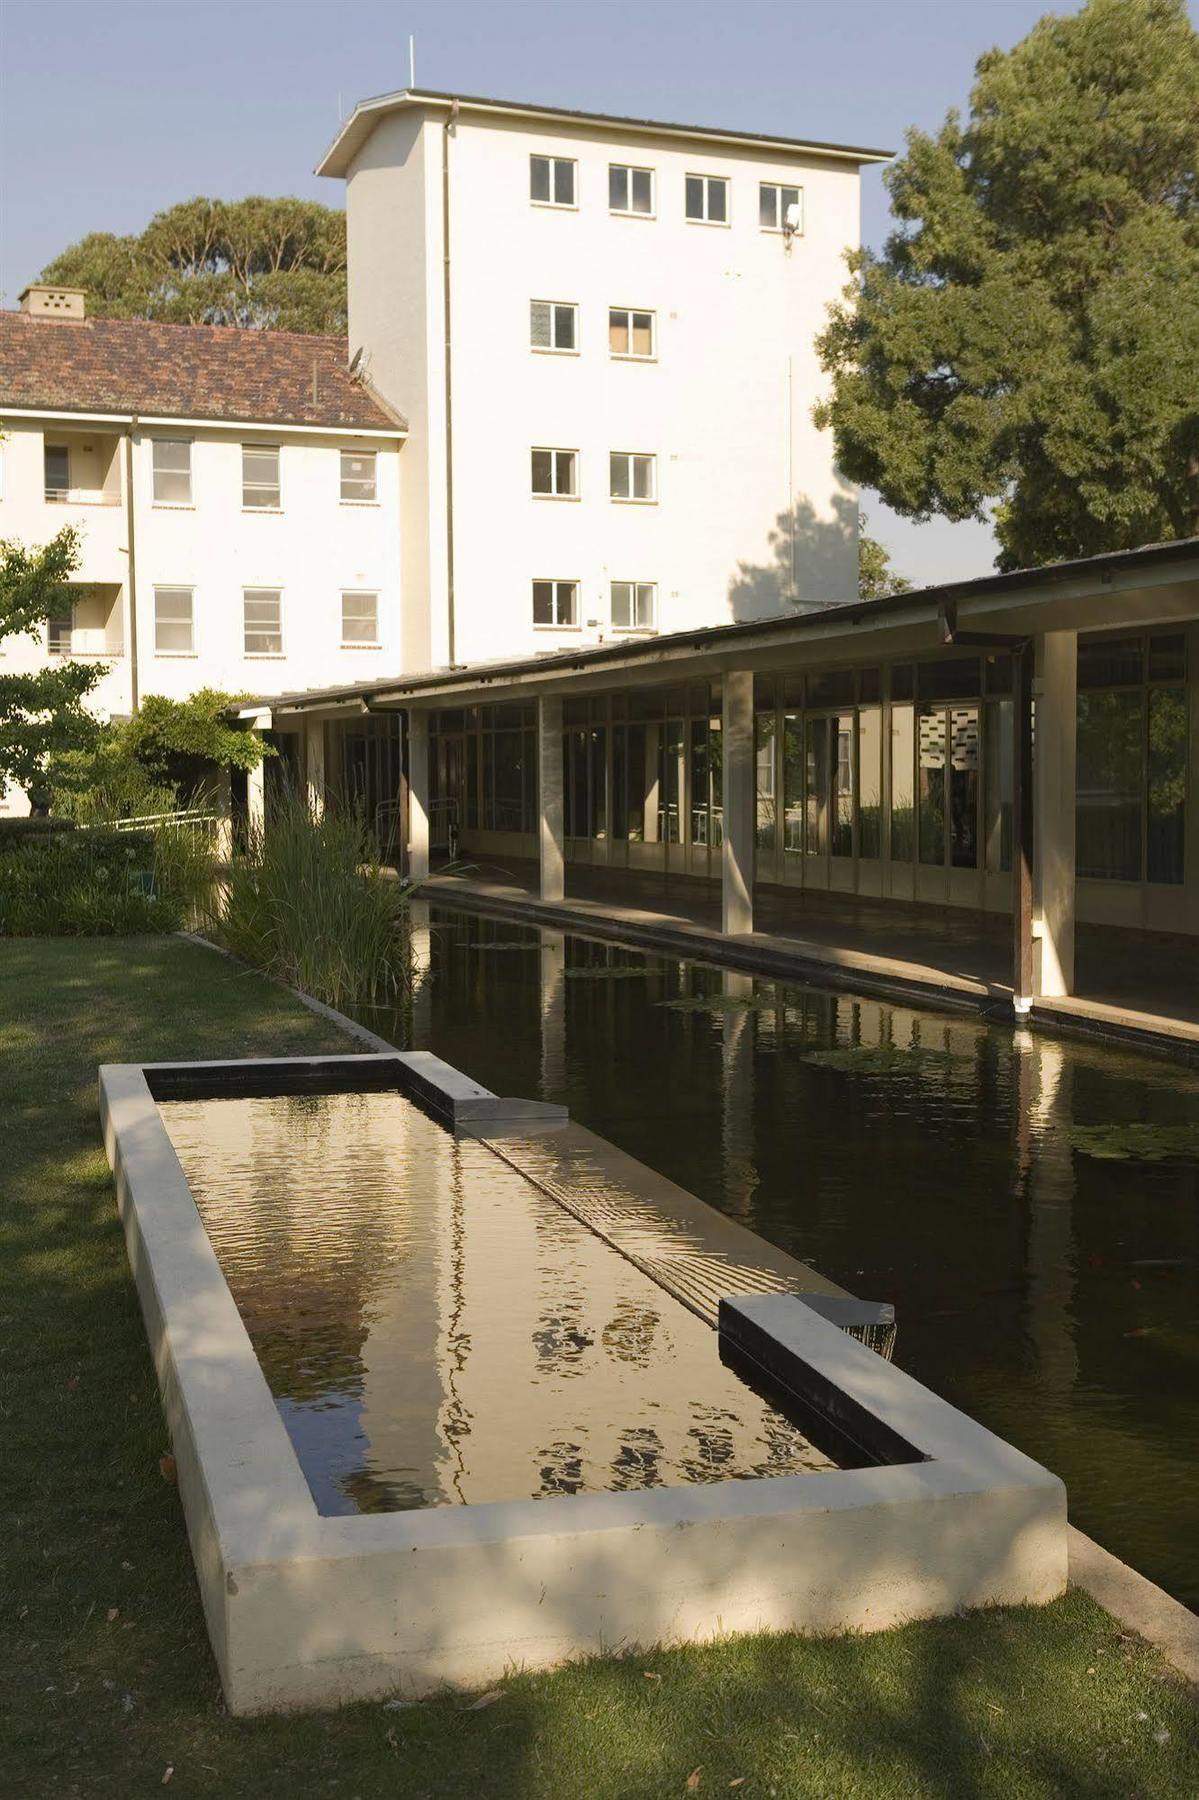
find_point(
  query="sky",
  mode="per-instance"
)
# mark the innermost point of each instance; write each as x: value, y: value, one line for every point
x: 111, y: 110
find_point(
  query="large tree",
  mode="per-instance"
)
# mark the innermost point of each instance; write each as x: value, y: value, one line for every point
x: 41, y: 713
x: 1029, y: 338
x: 275, y: 264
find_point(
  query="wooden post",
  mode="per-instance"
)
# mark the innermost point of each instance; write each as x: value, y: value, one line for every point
x: 1022, y: 828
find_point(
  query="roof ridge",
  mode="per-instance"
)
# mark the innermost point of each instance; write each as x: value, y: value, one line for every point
x: 256, y: 331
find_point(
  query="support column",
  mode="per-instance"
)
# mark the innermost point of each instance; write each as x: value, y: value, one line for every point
x: 549, y: 799
x: 418, y: 795
x: 1054, y: 776
x: 314, y: 765
x: 1022, y: 831
x: 737, y: 853
x: 256, y: 800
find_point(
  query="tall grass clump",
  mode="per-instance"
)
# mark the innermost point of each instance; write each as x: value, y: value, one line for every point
x: 68, y: 883
x: 307, y: 901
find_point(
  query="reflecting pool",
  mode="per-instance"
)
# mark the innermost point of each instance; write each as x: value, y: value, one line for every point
x: 1031, y: 1205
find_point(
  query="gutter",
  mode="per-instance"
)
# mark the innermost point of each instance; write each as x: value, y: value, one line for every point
x: 447, y: 132
x: 131, y: 551
x: 224, y: 423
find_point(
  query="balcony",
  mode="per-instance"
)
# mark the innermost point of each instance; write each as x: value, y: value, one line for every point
x: 82, y: 468
x: 93, y: 629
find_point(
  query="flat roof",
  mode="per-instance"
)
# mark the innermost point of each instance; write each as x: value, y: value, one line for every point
x: 1069, y: 585
x: 365, y: 116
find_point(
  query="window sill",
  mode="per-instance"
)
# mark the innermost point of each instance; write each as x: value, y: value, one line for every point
x: 537, y: 627
x: 628, y: 356
x: 85, y: 655
x: 628, y: 500
x: 358, y: 644
x: 715, y: 224
x: 566, y: 497
x: 178, y: 655
x: 550, y: 350
x: 271, y: 511
x: 555, y: 205
x: 778, y: 231
x: 78, y: 500
x: 344, y: 502
x: 635, y: 631
x: 265, y: 655
x: 173, y: 505
x: 620, y: 212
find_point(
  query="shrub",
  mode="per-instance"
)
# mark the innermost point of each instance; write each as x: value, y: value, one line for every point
x: 18, y: 832
x: 307, y: 901
x: 82, y: 884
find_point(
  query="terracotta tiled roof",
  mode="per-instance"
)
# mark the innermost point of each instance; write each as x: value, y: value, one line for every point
x: 182, y: 371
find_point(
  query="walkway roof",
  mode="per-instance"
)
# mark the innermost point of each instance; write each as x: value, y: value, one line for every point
x: 1133, y: 588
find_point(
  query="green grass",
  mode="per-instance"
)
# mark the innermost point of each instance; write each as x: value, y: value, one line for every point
x: 107, y: 1676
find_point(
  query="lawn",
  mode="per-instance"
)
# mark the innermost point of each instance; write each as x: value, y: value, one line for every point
x: 108, y: 1684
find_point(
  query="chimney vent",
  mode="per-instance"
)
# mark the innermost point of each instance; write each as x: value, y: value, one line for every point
x: 42, y: 302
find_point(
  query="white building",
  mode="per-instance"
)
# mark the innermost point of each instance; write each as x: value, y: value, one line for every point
x: 237, y: 495
x: 600, y: 331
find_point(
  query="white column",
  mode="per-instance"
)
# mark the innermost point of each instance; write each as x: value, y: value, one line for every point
x: 1055, y: 693
x: 549, y: 791
x: 737, y: 854
x: 314, y: 765
x: 256, y: 800
x: 418, y: 795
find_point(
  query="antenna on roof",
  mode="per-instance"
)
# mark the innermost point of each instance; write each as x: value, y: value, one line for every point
x: 411, y: 60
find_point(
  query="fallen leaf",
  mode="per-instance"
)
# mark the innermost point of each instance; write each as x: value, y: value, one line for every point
x: 167, y: 1773
x: 114, y: 1612
x: 694, y: 1779
x: 650, y: 1676
x: 737, y: 1781
x: 486, y: 1700
x: 168, y: 1469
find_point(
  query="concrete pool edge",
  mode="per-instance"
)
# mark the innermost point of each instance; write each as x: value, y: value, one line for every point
x: 305, y: 1610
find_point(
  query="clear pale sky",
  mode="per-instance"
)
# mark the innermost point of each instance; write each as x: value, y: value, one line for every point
x: 113, y: 109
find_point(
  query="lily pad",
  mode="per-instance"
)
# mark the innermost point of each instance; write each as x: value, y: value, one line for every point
x: 618, y: 971
x: 720, y: 1003
x: 1133, y: 1141
x: 881, y: 1059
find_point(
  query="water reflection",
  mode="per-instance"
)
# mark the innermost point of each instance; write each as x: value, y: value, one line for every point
x: 936, y: 1160
x: 435, y: 1329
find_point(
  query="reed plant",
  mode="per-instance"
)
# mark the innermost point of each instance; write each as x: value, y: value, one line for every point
x: 307, y: 900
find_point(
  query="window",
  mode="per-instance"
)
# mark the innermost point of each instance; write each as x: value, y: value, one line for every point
x: 552, y: 180
x: 57, y: 460
x: 260, y: 475
x: 172, y: 472
x: 780, y: 208
x: 359, y: 618
x: 60, y: 631
x: 631, y: 333
x: 263, y: 621
x: 708, y: 199
x: 633, y: 476
x: 630, y: 190
x: 1133, y: 732
x: 174, y: 629
x: 358, y: 475
x: 555, y: 602
x: 555, y: 472
x: 634, y: 605
x: 553, y: 325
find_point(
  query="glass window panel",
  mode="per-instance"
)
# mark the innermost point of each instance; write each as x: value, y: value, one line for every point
x: 618, y: 331
x: 841, y: 729
x: 1110, y: 783
x: 263, y: 621
x: 598, y: 753
x: 1110, y: 662
x: 766, y: 805
x: 1168, y: 733
x: 1000, y: 782
x: 997, y: 674
x: 699, y: 781
x: 870, y: 782
x: 622, y: 604
x: 643, y: 191
x: 260, y: 475
x: 695, y: 197
x: 764, y: 690
x: 768, y: 206
x: 718, y: 199
x: 359, y: 618
x: 618, y: 472
x: 618, y: 187
x: 817, y: 774
x: 670, y: 782
x: 543, y: 603
x: 57, y: 461
x: 1168, y: 657
x: 643, y: 478
x: 646, y: 604
x: 870, y: 684
x: 903, y: 682
x: 931, y: 738
x: 566, y: 596
x: 173, y: 620
x: 564, y: 469
x: 543, y: 471
x: 789, y: 197
x: 358, y: 475
x: 950, y: 678
x: 793, y: 783
x: 903, y: 807
x: 635, y: 811
x: 539, y: 178
x: 620, y: 782
x: 716, y: 778
x: 643, y: 334
x: 539, y: 324
x: 564, y: 328
x: 963, y: 787
x: 564, y: 182
x: 832, y: 687
x: 172, y: 462
x: 793, y: 692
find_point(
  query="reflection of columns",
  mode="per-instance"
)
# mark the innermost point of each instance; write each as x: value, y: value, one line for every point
x: 1056, y: 689
x: 1046, y: 1166
x: 1023, y: 982
x: 421, y: 951
x: 549, y: 767
x: 418, y: 795
x: 553, y: 1014
x: 737, y: 853
x: 737, y: 1093
x: 256, y: 799
x: 314, y: 765
x: 653, y: 800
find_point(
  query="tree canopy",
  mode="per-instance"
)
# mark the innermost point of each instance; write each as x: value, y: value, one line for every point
x: 876, y: 577
x: 270, y: 264
x: 1029, y: 337
x: 41, y: 713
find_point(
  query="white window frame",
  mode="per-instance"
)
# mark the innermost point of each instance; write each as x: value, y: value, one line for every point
x: 555, y: 307
x: 629, y: 211
x: 160, y: 499
x: 275, y: 487
x: 175, y: 588
x: 631, y: 458
x: 371, y: 499
x: 631, y: 355
x: 635, y: 590
x: 247, y: 630
x: 560, y: 460
x: 555, y: 163
x: 708, y: 181
x: 360, y: 643
x: 556, y: 584
x: 778, y: 189
x: 56, y: 496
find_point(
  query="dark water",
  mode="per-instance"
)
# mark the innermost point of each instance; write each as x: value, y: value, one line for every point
x: 436, y: 1330
x: 1031, y: 1206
